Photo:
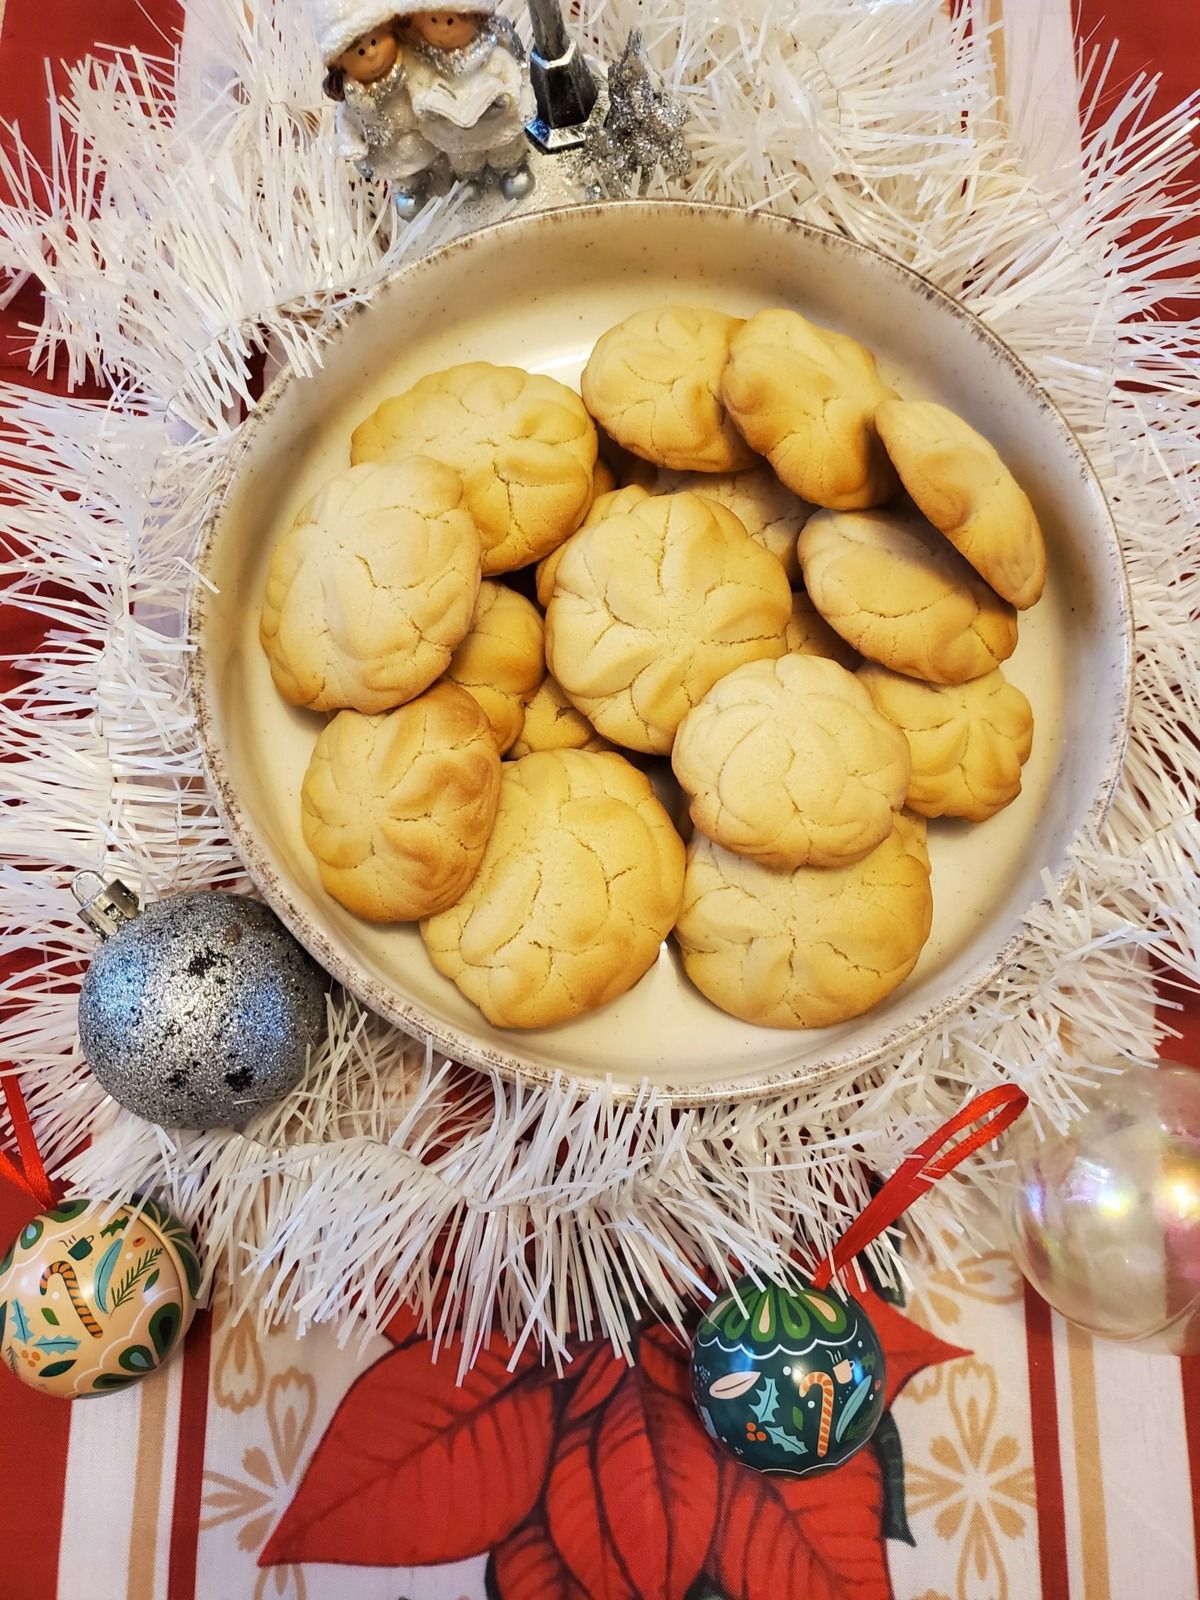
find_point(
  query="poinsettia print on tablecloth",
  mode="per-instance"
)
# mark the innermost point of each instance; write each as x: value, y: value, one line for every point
x: 600, y: 1483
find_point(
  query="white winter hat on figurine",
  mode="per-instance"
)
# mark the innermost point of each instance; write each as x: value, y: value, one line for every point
x: 337, y: 23
x: 476, y: 8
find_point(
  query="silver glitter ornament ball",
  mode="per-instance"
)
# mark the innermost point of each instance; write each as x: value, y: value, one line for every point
x: 198, y: 1010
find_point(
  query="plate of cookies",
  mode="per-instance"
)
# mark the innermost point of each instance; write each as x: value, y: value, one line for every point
x: 664, y: 644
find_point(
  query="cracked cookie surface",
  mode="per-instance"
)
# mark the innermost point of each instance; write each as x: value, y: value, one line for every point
x: 968, y: 743
x: 808, y: 634
x: 805, y: 397
x: 552, y: 723
x: 810, y: 948
x: 611, y: 504
x: 650, y: 608
x: 502, y: 659
x: 957, y: 479
x: 523, y: 443
x: 372, y: 587
x: 768, y: 510
x: 789, y: 763
x: 653, y: 383
x: 397, y: 809
x: 901, y: 595
x: 580, y: 883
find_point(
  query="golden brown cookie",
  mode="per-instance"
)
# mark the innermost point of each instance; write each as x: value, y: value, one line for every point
x: 788, y: 762
x: 578, y: 887
x: 502, y: 659
x: 894, y: 589
x: 959, y: 482
x: 968, y: 743
x: 810, y: 948
x: 808, y: 634
x: 805, y: 397
x: 654, y: 384
x: 523, y: 443
x: 604, y: 479
x: 372, y: 587
x: 604, y: 505
x: 552, y: 723
x: 397, y: 809
x: 766, y: 508
x: 650, y: 608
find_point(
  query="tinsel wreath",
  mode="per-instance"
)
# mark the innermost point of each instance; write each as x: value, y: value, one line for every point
x: 196, y: 217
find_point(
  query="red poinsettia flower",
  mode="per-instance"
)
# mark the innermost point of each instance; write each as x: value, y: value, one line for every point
x: 601, y: 1485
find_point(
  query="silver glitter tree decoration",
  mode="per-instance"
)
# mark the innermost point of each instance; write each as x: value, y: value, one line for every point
x: 642, y: 131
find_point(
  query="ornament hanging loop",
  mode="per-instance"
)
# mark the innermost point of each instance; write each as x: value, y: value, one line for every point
x: 980, y: 1121
x: 107, y: 910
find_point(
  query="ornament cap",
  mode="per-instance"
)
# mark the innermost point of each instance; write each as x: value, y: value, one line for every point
x: 107, y: 910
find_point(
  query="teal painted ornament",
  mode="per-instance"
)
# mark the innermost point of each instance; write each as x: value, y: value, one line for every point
x: 790, y: 1382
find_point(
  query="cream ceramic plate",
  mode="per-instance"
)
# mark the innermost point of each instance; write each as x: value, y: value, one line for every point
x: 536, y: 292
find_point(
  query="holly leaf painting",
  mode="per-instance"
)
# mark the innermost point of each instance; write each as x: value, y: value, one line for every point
x: 766, y: 1407
x: 20, y: 1321
x: 785, y: 1441
x: 61, y: 1345
x: 416, y: 1469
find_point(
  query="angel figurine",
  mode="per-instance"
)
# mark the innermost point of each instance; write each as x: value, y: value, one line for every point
x: 469, y: 90
x: 366, y: 73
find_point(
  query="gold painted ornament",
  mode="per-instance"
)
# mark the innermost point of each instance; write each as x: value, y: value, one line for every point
x: 93, y: 1299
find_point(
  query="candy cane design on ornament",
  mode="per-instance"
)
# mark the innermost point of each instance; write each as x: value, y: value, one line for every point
x: 824, y: 1382
x: 83, y: 1311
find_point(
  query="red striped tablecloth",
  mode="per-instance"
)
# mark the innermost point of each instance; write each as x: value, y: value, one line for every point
x: 1038, y: 1466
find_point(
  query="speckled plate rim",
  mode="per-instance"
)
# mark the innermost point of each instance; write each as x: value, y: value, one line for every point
x: 522, y: 1065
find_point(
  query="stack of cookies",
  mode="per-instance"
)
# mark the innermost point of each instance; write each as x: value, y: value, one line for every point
x: 740, y: 590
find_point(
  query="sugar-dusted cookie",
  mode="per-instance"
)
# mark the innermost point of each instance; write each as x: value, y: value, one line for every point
x: 579, y: 885
x: 654, y: 383
x: 650, y: 608
x: 604, y: 505
x: 372, y: 587
x: 894, y: 589
x: 552, y: 723
x: 789, y: 763
x: 398, y: 808
x: 766, y: 508
x: 502, y: 659
x: 808, y: 634
x: 968, y: 743
x: 810, y: 948
x: 524, y: 444
x: 805, y: 398
x: 959, y: 482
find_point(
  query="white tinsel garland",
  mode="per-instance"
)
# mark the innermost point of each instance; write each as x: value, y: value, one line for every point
x: 195, y: 217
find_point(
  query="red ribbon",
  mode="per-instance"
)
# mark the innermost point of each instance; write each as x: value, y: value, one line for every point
x: 28, y: 1172
x: 987, y: 1116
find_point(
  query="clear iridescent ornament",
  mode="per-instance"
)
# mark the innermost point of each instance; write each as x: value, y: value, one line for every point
x: 1105, y: 1218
